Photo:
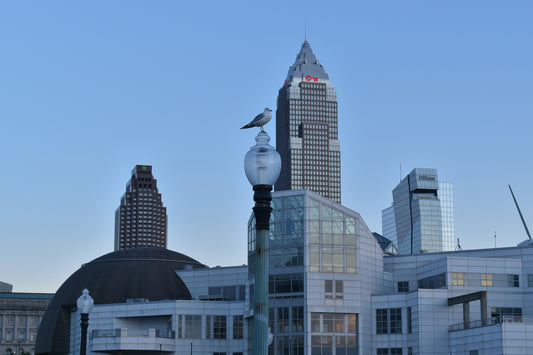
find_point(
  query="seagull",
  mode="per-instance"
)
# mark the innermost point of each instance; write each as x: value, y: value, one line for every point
x: 260, y: 120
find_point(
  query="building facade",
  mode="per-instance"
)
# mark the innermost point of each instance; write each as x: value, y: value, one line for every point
x: 420, y: 219
x: 307, y: 129
x: 141, y: 218
x: 333, y: 290
x: 20, y: 316
x: 461, y: 303
x: 324, y: 265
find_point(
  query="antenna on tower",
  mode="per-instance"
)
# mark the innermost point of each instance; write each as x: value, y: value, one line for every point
x: 305, y: 33
x: 520, y: 213
x: 400, y: 171
x: 494, y: 239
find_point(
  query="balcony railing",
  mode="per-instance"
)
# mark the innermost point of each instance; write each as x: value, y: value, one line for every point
x: 490, y: 321
x: 125, y: 332
x: 124, y: 339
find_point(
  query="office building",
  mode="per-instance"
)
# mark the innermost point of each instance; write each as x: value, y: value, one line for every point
x: 141, y: 218
x: 333, y: 290
x: 20, y: 316
x: 307, y: 130
x: 420, y: 219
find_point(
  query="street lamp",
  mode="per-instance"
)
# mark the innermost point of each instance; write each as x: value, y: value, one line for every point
x: 85, y: 304
x: 262, y: 165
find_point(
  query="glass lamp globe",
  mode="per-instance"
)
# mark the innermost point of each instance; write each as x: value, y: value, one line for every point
x: 262, y: 163
x: 85, y: 302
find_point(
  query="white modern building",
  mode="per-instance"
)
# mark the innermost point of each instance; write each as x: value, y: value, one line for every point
x: 332, y: 291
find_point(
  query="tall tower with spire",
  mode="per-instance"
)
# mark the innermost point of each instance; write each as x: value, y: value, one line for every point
x: 307, y: 129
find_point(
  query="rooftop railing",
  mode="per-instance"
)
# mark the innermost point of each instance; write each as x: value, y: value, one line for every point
x: 490, y: 321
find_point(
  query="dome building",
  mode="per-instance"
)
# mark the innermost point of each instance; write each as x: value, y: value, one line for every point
x: 126, y: 276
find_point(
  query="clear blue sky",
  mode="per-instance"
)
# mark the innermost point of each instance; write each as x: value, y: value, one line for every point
x: 88, y: 90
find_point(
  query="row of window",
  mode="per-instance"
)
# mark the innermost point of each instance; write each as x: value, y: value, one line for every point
x: 468, y: 279
x: 20, y: 335
x: 21, y: 320
x: 216, y: 327
x: 392, y: 351
x: 488, y: 280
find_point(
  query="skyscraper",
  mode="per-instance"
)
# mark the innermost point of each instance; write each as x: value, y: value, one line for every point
x: 141, y: 219
x: 421, y: 216
x: 307, y: 131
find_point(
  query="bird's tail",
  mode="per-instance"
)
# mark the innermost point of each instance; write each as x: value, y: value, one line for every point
x: 246, y: 126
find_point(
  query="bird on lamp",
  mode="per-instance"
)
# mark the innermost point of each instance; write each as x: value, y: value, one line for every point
x: 260, y: 120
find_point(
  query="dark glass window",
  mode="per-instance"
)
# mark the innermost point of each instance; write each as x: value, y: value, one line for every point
x: 237, y: 327
x: 409, y: 320
x: 381, y: 321
x: 505, y: 311
x: 403, y: 286
x: 433, y: 282
x: 395, y: 320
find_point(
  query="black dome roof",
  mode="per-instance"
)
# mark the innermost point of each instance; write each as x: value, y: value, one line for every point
x: 146, y: 273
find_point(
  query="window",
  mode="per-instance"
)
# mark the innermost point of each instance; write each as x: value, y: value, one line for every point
x: 190, y: 326
x: 530, y: 280
x: 381, y: 321
x: 513, y: 280
x: 331, y: 333
x: 486, y: 280
x: 333, y: 289
x: 403, y: 286
x: 409, y: 320
x: 473, y: 352
x: 328, y: 287
x: 286, y: 283
x: 433, y: 282
x: 395, y: 320
x: 283, y: 320
x: 382, y: 351
x: 215, y: 327
x: 297, y: 319
x: 458, y: 279
x: 237, y: 327
x: 396, y: 351
x: 505, y: 311
x: 410, y: 350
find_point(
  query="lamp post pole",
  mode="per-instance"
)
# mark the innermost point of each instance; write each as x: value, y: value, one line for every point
x: 262, y: 165
x: 84, y: 325
x: 85, y: 304
x: 262, y: 210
